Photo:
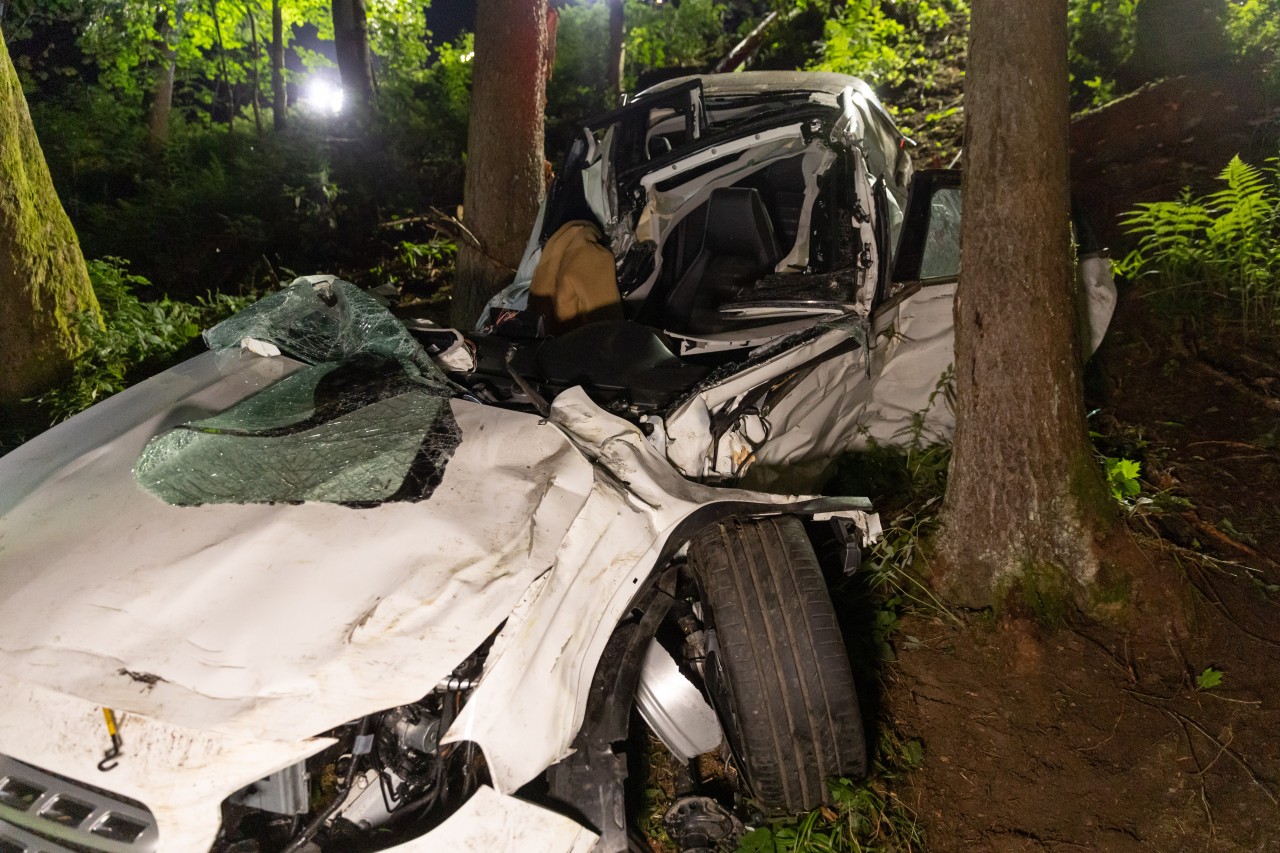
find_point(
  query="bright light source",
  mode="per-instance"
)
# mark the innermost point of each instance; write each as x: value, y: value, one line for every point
x: 323, y: 96
x: 468, y: 56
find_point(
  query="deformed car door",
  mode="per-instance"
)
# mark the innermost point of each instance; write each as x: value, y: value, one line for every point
x: 912, y: 330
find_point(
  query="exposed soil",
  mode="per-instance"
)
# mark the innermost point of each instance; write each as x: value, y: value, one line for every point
x: 1093, y: 734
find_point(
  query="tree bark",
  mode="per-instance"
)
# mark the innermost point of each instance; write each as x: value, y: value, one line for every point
x: 617, y: 51
x: 43, y: 279
x: 1024, y: 496
x: 351, y: 43
x: 505, y: 181
x: 162, y: 95
x: 279, y: 100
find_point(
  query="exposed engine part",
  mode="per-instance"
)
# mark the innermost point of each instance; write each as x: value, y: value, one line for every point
x: 674, y: 708
x: 366, y: 806
x: 408, y: 738
x: 453, y: 684
x: 283, y: 792
x: 702, y: 825
x: 385, y: 772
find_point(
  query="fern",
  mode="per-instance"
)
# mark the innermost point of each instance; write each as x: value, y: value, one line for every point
x: 1213, y: 254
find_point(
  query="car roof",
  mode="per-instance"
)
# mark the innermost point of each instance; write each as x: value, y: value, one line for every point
x: 746, y: 83
x: 822, y: 87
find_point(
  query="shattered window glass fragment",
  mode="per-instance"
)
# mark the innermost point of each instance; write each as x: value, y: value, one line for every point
x: 942, y: 245
x: 368, y: 421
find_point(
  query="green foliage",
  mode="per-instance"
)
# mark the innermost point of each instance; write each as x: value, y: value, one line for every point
x: 1103, y: 34
x: 862, y: 818
x: 690, y: 34
x: 575, y: 92
x: 1215, y: 253
x: 1253, y: 29
x: 423, y: 111
x: 1208, y: 679
x: 133, y: 333
x: 417, y: 266
x: 1122, y: 478
x: 884, y: 42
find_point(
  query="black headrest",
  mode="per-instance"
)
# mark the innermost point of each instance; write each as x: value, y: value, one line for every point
x: 739, y: 225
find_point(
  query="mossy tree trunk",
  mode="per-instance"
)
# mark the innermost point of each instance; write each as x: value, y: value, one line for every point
x: 505, y: 180
x: 43, y: 279
x: 1024, y: 496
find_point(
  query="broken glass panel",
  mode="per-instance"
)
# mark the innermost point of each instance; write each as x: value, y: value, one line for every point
x: 942, y: 246
x: 328, y: 320
x: 367, y: 421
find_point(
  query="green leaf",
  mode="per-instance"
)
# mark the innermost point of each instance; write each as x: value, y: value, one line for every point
x: 1208, y: 679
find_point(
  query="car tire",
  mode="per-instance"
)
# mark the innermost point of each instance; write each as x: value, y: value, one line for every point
x: 776, y: 668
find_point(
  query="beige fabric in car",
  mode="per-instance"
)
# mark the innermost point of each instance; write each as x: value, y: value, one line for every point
x: 575, y: 282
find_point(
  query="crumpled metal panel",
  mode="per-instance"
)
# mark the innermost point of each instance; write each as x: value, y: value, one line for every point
x: 226, y: 636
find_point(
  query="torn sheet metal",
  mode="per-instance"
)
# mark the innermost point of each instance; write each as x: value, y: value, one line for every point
x: 545, y: 656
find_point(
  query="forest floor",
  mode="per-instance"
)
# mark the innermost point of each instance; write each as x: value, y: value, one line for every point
x: 1096, y: 733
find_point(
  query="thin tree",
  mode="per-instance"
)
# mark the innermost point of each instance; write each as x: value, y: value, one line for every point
x: 505, y: 180
x: 1024, y: 497
x: 43, y: 280
x: 169, y: 33
x: 351, y: 44
x: 279, y: 100
x: 255, y: 55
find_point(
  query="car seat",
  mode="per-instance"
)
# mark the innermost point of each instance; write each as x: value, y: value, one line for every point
x: 738, y: 247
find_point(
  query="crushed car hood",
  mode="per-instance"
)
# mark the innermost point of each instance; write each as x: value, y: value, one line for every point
x: 212, y: 617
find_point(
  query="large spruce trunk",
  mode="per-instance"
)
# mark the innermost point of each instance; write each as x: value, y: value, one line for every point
x: 1024, y: 495
x: 505, y: 181
x: 43, y: 279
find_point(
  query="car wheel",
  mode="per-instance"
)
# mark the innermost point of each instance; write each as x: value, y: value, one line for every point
x: 776, y: 668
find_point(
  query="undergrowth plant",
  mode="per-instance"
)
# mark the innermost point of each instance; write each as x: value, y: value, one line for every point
x: 885, y: 42
x: 133, y: 332
x: 1215, y: 254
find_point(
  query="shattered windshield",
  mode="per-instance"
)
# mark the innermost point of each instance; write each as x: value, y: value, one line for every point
x: 368, y: 420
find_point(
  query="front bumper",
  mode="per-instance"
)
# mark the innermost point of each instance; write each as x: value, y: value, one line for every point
x: 44, y: 813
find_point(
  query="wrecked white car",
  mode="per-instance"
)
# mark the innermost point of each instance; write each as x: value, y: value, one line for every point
x: 758, y: 277
x: 301, y: 593
x: 342, y: 585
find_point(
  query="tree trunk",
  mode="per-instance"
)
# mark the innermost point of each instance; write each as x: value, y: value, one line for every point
x: 505, y: 182
x: 43, y: 279
x: 279, y: 101
x: 351, y: 43
x: 1024, y: 496
x: 255, y: 79
x: 617, y: 52
x: 225, y: 77
x: 162, y: 95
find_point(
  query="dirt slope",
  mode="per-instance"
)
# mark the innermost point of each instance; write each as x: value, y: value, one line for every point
x: 1094, y: 735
